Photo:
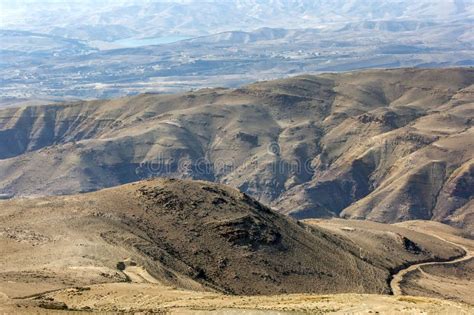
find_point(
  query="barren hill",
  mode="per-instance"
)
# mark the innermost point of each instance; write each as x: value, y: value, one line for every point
x: 198, y: 236
x: 387, y: 145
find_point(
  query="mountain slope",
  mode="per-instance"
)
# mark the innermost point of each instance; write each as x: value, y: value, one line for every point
x: 193, y: 235
x: 388, y: 145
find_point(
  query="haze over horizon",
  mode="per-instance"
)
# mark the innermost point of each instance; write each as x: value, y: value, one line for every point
x: 199, y: 17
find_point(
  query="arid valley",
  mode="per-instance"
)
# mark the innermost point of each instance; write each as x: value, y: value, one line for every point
x: 376, y: 151
x: 256, y: 157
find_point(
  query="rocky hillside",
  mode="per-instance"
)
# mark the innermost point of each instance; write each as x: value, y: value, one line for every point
x: 194, y: 235
x: 386, y: 145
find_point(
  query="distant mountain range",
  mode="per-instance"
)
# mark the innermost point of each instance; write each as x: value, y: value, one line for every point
x: 109, y: 20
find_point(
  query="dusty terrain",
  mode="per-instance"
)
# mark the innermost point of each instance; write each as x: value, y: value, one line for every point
x: 180, y: 245
x: 194, y: 235
x: 143, y: 298
x: 452, y: 280
x: 449, y: 279
x: 386, y: 145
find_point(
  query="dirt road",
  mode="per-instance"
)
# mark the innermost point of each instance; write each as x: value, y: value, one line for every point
x: 398, y: 277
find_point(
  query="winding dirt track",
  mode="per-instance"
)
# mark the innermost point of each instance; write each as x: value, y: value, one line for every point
x: 398, y: 277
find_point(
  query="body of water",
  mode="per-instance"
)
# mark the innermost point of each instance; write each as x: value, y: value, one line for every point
x: 133, y: 42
